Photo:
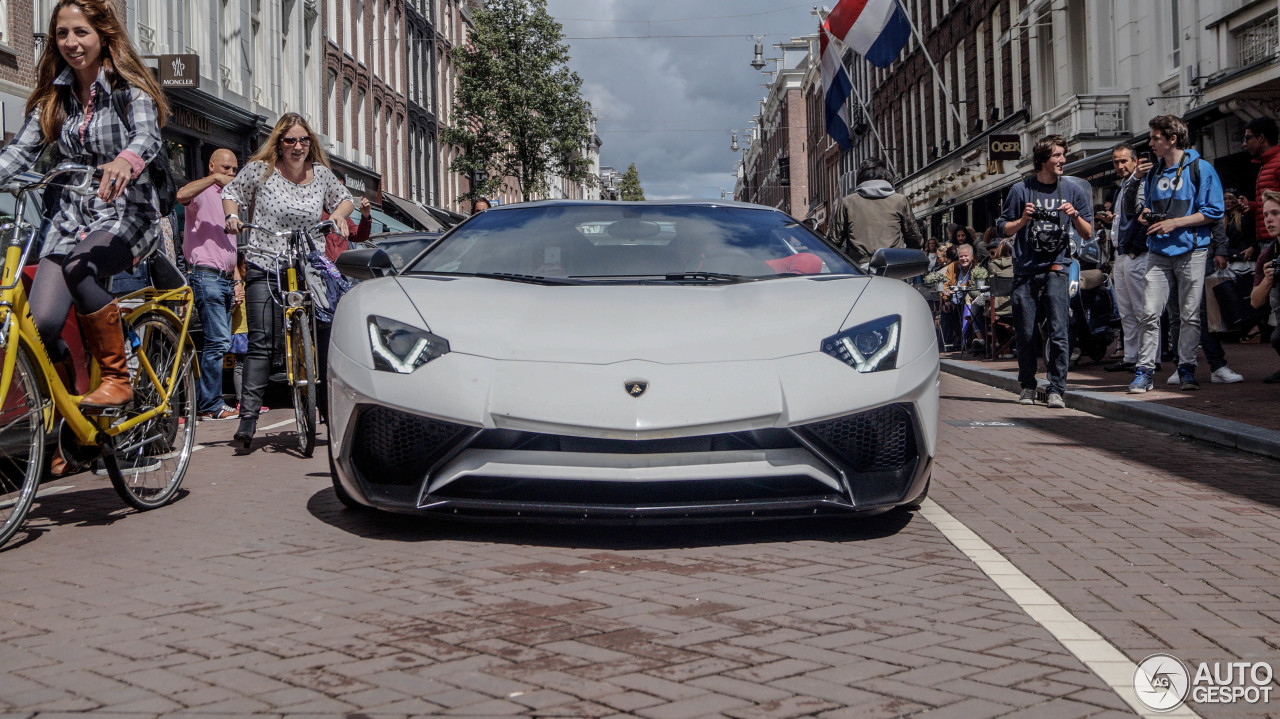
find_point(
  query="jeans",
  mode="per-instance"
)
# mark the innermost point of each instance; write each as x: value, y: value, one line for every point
x: 1127, y: 276
x: 1046, y: 295
x: 1187, y: 272
x: 266, y: 323
x: 214, y: 297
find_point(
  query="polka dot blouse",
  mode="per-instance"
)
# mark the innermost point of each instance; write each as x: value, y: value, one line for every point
x: 283, y: 205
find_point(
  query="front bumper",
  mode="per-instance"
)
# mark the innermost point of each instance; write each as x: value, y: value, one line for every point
x: 405, y: 460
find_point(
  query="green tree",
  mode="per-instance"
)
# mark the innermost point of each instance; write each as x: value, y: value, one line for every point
x: 629, y: 189
x: 519, y: 110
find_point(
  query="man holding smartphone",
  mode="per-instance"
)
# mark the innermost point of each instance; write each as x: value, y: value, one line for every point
x: 1131, y: 261
x: 1182, y: 200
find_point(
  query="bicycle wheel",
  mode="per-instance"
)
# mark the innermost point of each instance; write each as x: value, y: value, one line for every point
x: 21, y: 445
x: 149, y: 461
x: 304, y: 382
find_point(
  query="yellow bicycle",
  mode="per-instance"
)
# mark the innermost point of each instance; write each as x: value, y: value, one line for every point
x: 290, y: 291
x: 144, y: 446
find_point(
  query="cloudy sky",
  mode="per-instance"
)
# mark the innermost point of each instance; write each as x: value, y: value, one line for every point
x: 669, y: 104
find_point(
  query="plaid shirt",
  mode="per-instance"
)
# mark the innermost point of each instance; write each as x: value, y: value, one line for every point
x: 95, y: 136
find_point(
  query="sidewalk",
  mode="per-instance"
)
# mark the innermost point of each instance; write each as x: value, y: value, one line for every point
x: 1244, y: 416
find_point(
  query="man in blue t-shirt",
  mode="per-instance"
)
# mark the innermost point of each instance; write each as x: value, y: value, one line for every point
x: 1182, y: 199
x: 1040, y: 212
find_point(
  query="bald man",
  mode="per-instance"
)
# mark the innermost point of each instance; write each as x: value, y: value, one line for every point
x: 214, y: 276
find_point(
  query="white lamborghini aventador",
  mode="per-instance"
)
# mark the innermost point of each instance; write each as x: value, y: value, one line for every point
x: 626, y: 361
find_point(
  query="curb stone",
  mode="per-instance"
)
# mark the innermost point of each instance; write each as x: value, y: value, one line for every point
x: 1223, y: 432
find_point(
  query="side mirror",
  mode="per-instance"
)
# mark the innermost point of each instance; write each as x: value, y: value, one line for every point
x: 365, y: 264
x: 898, y: 263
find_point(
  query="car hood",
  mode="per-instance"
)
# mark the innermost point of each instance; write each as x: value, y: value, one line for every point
x: 604, y: 324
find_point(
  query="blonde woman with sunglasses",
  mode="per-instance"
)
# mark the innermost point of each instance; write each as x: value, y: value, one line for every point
x: 286, y: 185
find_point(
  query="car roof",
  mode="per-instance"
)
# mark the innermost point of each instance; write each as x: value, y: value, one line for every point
x: 641, y: 203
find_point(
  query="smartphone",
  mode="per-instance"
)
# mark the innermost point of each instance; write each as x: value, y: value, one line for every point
x: 1151, y: 157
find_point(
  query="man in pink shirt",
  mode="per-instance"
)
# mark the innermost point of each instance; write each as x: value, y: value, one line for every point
x: 214, y: 276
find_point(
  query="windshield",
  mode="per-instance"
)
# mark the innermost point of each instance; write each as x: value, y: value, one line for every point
x: 615, y: 240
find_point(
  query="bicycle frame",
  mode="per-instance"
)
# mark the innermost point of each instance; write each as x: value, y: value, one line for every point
x: 88, y: 429
x: 293, y: 297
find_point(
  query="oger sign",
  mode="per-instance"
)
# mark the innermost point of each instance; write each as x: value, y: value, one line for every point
x: 1004, y: 147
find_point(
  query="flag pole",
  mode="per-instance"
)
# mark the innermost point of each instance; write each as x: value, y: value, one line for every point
x: 937, y: 75
x: 866, y: 112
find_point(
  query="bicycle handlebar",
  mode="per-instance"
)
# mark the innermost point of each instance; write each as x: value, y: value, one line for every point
x: 85, y: 187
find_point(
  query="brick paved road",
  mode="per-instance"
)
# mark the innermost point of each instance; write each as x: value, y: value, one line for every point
x: 258, y: 593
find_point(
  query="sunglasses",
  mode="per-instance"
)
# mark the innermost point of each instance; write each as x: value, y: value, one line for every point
x: 291, y: 141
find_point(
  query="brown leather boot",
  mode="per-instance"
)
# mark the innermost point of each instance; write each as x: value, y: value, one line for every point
x: 105, y: 339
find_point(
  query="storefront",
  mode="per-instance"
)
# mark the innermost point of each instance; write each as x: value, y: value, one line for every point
x: 199, y: 124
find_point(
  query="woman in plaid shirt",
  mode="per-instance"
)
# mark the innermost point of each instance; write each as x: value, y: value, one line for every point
x: 91, y: 238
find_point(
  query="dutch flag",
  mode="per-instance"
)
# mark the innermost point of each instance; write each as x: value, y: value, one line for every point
x: 875, y: 29
x: 836, y: 89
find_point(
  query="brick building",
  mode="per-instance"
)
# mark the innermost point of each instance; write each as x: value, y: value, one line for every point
x: 775, y: 167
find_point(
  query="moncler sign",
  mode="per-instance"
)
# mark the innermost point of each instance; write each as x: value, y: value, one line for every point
x: 179, y: 70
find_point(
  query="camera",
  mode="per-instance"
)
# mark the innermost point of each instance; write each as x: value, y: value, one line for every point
x: 1154, y: 217
x: 1048, y: 241
x: 1043, y: 215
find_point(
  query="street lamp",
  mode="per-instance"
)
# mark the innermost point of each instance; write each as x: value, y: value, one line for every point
x: 757, y: 62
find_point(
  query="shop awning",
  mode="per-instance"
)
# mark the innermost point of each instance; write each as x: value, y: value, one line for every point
x: 414, y: 212
x: 446, y: 218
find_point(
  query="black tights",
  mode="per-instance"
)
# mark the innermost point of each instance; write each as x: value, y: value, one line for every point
x: 78, y: 279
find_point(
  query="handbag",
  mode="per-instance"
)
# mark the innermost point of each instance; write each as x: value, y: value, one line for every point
x: 1232, y: 299
x: 1214, y: 321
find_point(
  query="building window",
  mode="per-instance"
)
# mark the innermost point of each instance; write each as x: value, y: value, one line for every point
x: 1175, y: 35
x: 358, y: 12
x: 360, y: 139
x: 259, y: 70
x: 229, y: 27
x: 348, y: 127
x: 4, y: 23
x: 147, y: 24
x: 331, y: 92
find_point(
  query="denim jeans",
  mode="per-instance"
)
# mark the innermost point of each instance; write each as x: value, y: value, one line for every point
x: 214, y: 297
x: 1045, y: 295
x: 1186, y: 271
x: 266, y: 335
x: 1127, y: 279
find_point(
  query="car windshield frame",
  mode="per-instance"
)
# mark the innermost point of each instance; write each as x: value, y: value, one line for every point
x: 608, y: 242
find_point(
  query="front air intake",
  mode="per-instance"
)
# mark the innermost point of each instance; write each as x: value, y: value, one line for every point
x: 397, y: 448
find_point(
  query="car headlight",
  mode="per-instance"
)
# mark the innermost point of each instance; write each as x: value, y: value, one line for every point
x: 401, y: 348
x: 869, y: 347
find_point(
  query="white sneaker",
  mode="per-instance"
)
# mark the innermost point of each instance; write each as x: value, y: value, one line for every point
x: 1173, y: 378
x: 1224, y: 375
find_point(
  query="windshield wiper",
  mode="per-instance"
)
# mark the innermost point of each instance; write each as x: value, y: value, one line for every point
x: 530, y: 279
x: 709, y: 276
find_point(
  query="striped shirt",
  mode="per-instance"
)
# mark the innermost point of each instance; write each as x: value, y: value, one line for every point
x: 95, y: 135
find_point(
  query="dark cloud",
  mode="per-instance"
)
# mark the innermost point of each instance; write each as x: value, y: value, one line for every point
x: 675, y: 85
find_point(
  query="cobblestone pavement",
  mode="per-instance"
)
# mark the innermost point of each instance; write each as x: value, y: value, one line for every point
x: 258, y: 593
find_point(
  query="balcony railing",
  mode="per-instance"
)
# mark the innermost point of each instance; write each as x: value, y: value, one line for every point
x: 1091, y: 115
x: 147, y: 38
x: 1258, y: 41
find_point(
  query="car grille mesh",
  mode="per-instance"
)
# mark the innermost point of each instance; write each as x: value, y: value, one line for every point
x: 392, y: 447
x: 879, y: 439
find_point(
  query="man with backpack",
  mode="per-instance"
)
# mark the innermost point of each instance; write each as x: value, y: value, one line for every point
x: 1181, y: 200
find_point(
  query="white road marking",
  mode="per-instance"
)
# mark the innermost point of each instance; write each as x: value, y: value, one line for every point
x: 276, y: 425
x: 1102, y: 658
